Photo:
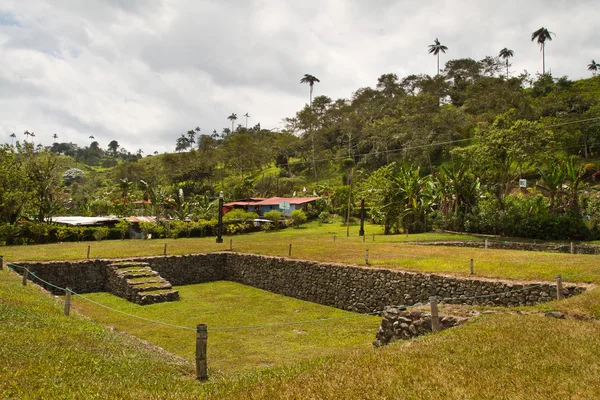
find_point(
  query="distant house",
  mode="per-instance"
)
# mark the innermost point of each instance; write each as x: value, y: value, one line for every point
x: 261, y: 206
x: 248, y: 204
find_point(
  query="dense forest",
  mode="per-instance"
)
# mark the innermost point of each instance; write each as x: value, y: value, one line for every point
x: 449, y: 151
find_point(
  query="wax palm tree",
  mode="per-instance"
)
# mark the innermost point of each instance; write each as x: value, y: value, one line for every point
x: 594, y: 67
x: 55, y: 136
x: 247, y: 115
x: 541, y: 35
x: 232, y: 118
x: 505, y: 53
x: 12, y: 138
x: 311, y: 80
x: 435, y: 49
x: 91, y: 137
x: 27, y: 133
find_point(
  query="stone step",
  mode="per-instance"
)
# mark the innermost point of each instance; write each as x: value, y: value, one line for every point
x: 156, y: 296
x: 151, y: 287
x: 128, y: 264
x: 145, y: 279
x: 138, y: 274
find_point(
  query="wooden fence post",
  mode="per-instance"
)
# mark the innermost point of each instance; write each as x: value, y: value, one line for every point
x: 559, y: 287
x: 373, y: 237
x: 290, y: 251
x: 165, y: 250
x: 1, y: 263
x: 367, y: 257
x: 334, y: 237
x: 230, y: 244
x: 67, y: 301
x: 25, y: 274
x: 435, y: 320
x: 486, y: 243
x: 572, y: 248
x: 364, y: 236
x: 201, y: 364
x: 472, y: 267
x: 88, y: 253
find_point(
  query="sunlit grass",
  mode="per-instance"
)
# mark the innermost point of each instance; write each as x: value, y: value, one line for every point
x: 226, y: 305
x: 317, y: 242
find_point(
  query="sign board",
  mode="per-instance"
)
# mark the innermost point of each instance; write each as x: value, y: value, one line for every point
x: 523, y: 183
x: 284, y: 205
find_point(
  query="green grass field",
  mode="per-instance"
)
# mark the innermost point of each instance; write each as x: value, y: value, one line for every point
x: 46, y: 355
x: 224, y: 305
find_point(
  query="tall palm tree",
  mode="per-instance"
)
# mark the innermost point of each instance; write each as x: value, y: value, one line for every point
x: 541, y: 35
x: 505, y: 53
x: 232, y: 118
x: 27, y: 133
x: 435, y: 49
x: 55, y: 136
x: 12, y: 138
x: 311, y: 80
x: 594, y: 67
x: 247, y: 115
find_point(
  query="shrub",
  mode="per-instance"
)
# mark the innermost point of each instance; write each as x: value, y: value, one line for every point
x: 123, y: 227
x: 275, y: 217
x: 101, y: 233
x: 323, y: 217
x: 147, y: 228
x: 298, y: 217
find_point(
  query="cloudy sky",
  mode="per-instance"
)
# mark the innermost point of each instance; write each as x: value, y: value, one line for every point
x: 144, y: 71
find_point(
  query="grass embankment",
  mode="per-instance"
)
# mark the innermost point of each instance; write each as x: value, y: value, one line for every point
x: 317, y: 243
x: 44, y: 355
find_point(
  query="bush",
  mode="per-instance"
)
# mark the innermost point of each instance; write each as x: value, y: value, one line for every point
x: 101, y: 233
x: 298, y: 217
x: 323, y: 217
x: 123, y: 227
x: 274, y: 216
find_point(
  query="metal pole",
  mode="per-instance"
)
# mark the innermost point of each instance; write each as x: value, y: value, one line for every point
x: 361, y: 231
x: 220, y: 225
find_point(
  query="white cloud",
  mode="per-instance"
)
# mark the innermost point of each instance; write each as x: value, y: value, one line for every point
x: 143, y: 72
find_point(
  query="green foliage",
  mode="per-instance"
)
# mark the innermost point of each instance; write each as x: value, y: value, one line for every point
x: 298, y: 217
x: 275, y: 216
x: 101, y: 233
x: 323, y: 217
x: 123, y: 227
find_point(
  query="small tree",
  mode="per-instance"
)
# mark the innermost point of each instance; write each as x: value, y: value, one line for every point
x: 274, y: 216
x: 101, y: 233
x: 298, y: 217
x: 123, y: 227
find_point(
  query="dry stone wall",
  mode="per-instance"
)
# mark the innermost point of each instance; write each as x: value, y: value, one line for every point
x: 399, y: 324
x: 348, y: 287
x: 361, y: 289
x: 545, y: 247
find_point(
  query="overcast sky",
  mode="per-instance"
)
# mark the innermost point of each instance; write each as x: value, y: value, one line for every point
x: 144, y: 71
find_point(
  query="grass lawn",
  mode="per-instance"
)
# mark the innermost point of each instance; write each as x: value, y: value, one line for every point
x: 228, y: 304
x: 45, y: 355
x: 317, y: 243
